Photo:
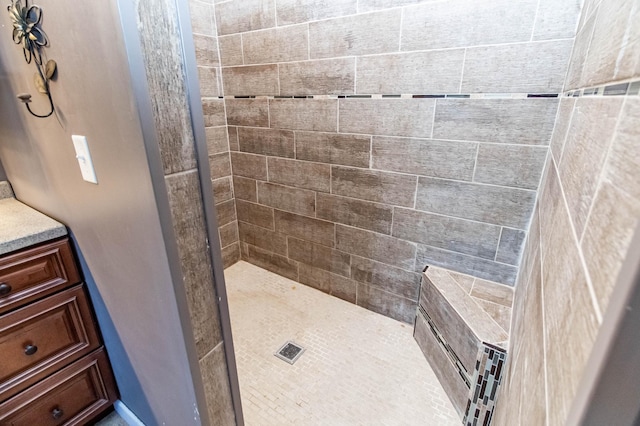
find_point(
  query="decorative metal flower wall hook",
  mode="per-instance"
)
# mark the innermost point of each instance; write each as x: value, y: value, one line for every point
x: 26, y: 22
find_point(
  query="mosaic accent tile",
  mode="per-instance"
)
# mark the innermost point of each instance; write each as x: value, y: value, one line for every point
x: 487, y: 379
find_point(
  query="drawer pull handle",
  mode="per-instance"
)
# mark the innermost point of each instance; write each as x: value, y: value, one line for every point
x: 4, y: 289
x: 30, y: 349
x: 57, y: 413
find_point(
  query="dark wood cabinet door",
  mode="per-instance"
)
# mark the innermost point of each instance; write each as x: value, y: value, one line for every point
x: 71, y: 396
x: 43, y: 337
x: 36, y: 272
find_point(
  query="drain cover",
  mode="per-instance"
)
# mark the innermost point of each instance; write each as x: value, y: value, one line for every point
x: 290, y: 352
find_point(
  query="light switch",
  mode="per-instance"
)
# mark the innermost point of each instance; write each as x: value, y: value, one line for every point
x: 84, y: 158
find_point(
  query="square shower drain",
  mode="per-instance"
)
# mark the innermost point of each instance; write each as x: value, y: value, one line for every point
x: 290, y: 352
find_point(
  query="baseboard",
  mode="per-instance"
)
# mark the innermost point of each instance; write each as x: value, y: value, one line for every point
x: 126, y: 414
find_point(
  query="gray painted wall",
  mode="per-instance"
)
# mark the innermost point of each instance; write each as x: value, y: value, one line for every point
x: 115, y: 225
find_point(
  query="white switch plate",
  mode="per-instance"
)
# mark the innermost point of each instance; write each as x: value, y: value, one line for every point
x: 84, y: 158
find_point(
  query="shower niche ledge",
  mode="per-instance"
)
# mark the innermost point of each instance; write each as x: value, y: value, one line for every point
x: 462, y: 327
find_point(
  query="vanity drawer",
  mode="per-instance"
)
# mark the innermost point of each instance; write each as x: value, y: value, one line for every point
x: 43, y: 337
x: 36, y: 272
x: 71, y: 396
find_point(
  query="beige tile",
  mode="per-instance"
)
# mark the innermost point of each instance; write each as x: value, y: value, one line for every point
x: 335, y: 285
x: 230, y: 255
x: 565, y: 112
x: 217, y: 141
x: 401, y: 73
x: 464, y: 281
x: 371, y: 245
x: 556, y: 20
x: 518, y: 166
x: 622, y: 164
x: 525, y: 121
x: 250, y: 80
x: 319, y: 77
x: 247, y: 112
x: 263, y: 238
x: 276, y: 45
x: 579, y: 55
x: 249, y: 165
x: 510, y: 246
x: 464, y: 23
x: 445, y: 159
x: 255, y: 214
x: 368, y: 5
x: 301, y: 174
x: 228, y: 234
x: 206, y: 50
x: 458, y: 235
x: 226, y: 212
x: 384, y: 187
x: 305, y: 228
x: 215, y: 378
x: 219, y: 165
x: 222, y: 189
x: 266, y: 141
x: 353, y: 35
x: 247, y: 15
x: 297, y: 11
x: 526, y: 67
x: 392, y: 117
x: 361, y: 214
x: 213, y: 110
x: 245, y: 188
x: 590, y: 135
x: 493, y: 292
x: 202, y: 18
x: 304, y: 114
x: 346, y: 150
x: 231, y: 50
x: 233, y: 138
x: 293, y: 200
x: 208, y: 78
x: 271, y: 262
x: 392, y: 280
x: 319, y: 256
x: 388, y: 304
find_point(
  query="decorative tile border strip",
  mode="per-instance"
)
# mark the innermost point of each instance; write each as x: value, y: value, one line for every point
x: 405, y: 96
x: 487, y: 378
x: 630, y: 88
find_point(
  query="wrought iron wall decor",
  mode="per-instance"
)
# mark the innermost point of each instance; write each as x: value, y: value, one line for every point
x: 26, y: 22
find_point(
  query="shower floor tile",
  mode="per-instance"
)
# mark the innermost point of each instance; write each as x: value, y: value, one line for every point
x: 359, y: 367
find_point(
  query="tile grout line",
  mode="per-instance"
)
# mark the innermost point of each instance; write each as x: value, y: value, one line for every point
x: 464, y: 60
x: 535, y: 22
x: 495, y: 258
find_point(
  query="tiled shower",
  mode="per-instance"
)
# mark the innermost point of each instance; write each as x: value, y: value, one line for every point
x: 352, y: 143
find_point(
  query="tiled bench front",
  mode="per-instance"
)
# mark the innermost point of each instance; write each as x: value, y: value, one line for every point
x: 462, y: 327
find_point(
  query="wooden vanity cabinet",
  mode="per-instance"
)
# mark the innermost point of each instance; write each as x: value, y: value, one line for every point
x: 53, y: 367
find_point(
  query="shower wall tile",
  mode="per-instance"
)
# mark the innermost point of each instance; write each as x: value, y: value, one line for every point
x: 293, y: 200
x: 465, y: 23
x: 327, y: 76
x: 220, y: 165
x: 522, y: 121
x: 525, y: 68
x: 361, y: 214
x: 445, y: 159
x: 276, y: 45
x: 266, y: 141
x: 228, y: 234
x: 518, y: 166
x: 320, y: 256
x: 217, y: 142
x: 369, y: 5
x: 301, y: 174
x: 371, y: 185
x: 305, y: 228
x: 249, y: 165
x: 511, y: 245
x: 388, y: 304
x: 262, y: 238
x: 222, y: 189
x: 335, y: 285
x: 206, y: 50
x: 226, y: 212
x: 493, y: 292
x: 245, y: 188
x: 387, y: 117
x: 304, y: 114
x: 232, y: 132
x: 462, y: 236
x: 333, y: 148
x: 255, y: 214
x: 353, y: 35
x: 465, y: 264
x: 202, y: 18
x: 208, y: 79
x: 556, y: 20
x: 230, y: 50
x: 405, y: 72
x: 215, y: 379
x: 230, y: 255
x: 247, y: 112
x: 485, y: 203
x: 275, y: 263
x: 579, y: 55
x: 622, y: 165
x: 296, y: 11
x: 247, y: 15
x: 565, y: 112
x: 250, y: 80
x: 213, y: 110
x: 393, y: 280
x: 371, y: 245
